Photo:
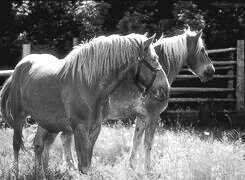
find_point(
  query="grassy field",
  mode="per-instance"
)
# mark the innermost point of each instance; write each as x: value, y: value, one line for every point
x: 176, y: 155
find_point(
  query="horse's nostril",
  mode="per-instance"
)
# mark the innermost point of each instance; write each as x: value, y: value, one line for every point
x: 209, y: 72
x: 163, y: 92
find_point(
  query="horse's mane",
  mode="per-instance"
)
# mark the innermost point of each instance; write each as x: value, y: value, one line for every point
x: 101, y: 56
x: 174, y: 49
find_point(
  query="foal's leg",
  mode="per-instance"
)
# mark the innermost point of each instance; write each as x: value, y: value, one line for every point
x: 149, y: 135
x: 39, y: 142
x: 17, y: 142
x: 81, y: 139
x: 66, y: 139
x: 138, y: 132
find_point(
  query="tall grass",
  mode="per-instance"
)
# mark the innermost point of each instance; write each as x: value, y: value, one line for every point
x: 175, y: 155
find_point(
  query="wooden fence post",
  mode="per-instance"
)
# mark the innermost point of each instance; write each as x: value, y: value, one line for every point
x: 75, y: 41
x: 26, y: 50
x: 240, y: 76
x: 230, y: 83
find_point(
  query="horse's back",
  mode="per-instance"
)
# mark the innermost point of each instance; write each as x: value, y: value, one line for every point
x: 39, y: 63
x: 35, y: 69
x: 37, y: 72
x: 32, y: 58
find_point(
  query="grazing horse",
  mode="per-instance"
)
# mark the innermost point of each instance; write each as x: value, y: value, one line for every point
x: 69, y: 95
x: 174, y: 53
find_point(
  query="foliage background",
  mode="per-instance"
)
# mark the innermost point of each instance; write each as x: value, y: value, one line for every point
x: 51, y: 25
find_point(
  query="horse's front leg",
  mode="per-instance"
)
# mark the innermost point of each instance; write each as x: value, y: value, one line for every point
x: 138, y: 132
x: 82, y: 144
x: 148, y: 141
x: 93, y: 135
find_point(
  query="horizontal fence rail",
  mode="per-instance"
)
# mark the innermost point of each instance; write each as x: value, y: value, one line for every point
x: 221, y: 50
x: 201, y: 99
x: 184, y: 90
x: 187, y: 76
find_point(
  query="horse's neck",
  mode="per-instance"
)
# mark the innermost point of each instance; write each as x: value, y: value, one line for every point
x: 112, y: 82
x: 174, y: 70
x: 171, y: 61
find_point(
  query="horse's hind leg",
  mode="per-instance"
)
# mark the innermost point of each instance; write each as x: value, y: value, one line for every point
x: 138, y: 132
x: 17, y: 142
x: 149, y: 135
x: 42, y: 138
x: 48, y: 141
x: 66, y: 139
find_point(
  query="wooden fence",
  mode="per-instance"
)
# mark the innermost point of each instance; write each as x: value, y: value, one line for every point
x: 227, y: 86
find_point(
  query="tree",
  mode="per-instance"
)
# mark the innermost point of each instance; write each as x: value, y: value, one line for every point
x: 8, y: 33
x: 184, y: 12
x: 139, y: 18
x: 225, y: 25
x: 55, y: 23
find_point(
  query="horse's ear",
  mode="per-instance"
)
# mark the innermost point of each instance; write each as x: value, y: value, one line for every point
x: 187, y: 27
x: 162, y: 36
x: 148, y: 42
x: 198, y: 35
x: 146, y: 34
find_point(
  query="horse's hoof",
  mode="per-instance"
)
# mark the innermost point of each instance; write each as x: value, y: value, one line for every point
x: 12, y: 177
x: 148, y: 168
x: 84, y: 170
x: 13, y: 173
x: 39, y: 176
x: 71, y: 166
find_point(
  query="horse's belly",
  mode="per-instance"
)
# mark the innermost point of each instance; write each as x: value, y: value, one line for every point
x: 53, y: 122
x: 120, y: 113
x: 122, y: 108
x: 47, y: 109
x: 56, y: 126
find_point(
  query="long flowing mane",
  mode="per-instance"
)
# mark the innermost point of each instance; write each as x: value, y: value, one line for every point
x: 175, y: 51
x: 101, y: 56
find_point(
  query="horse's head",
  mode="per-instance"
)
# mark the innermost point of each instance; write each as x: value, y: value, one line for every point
x: 198, y: 60
x: 150, y: 76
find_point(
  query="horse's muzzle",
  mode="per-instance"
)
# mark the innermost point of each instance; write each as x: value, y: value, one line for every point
x: 208, y: 73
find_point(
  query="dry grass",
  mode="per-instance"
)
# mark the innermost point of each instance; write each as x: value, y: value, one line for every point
x: 175, y: 155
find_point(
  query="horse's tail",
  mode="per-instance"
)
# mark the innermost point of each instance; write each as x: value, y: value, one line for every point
x: 4, y: 95
x: 9, y: 105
